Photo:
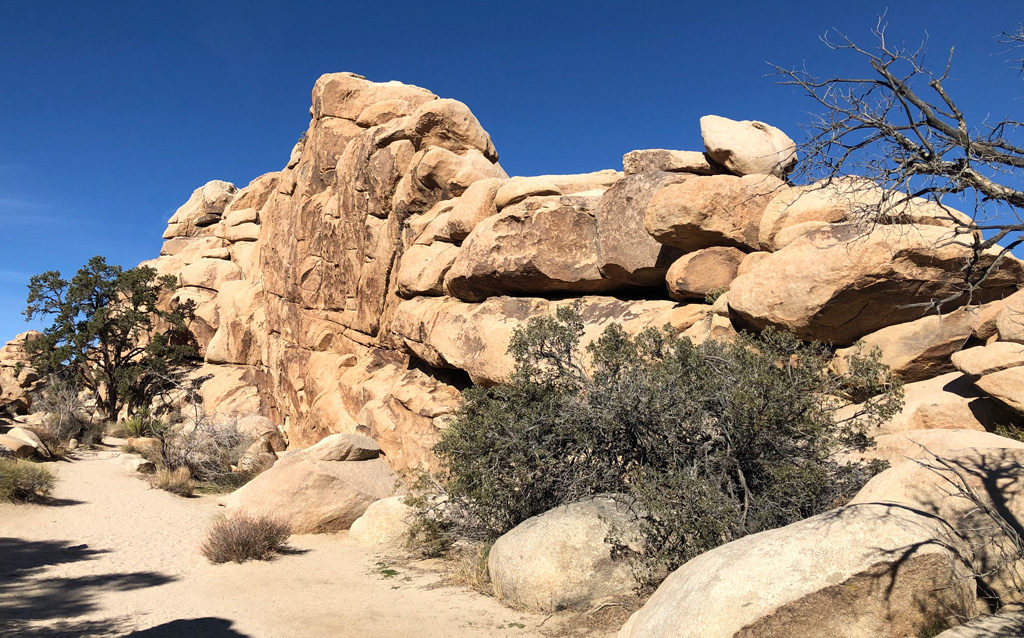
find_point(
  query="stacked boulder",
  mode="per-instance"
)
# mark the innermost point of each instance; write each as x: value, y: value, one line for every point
x: 18, y: 379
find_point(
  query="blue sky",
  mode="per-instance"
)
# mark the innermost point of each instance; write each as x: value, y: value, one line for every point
x: 112, y: 113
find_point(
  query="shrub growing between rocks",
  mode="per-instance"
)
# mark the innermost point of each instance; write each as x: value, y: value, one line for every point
x: 177, y: 481
x: 708, y: 443
x: 23, y: 481
x: 245, y: 537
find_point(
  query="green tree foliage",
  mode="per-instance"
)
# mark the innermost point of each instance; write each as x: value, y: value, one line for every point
x: 709, y: 442
x: 107, y: 332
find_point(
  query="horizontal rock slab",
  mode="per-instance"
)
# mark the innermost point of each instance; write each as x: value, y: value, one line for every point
x: 424, y: 267
x: 1005, y: 385
x: 474, y: 337
x: 719, y: 210
x: 659, y: 159
x: 924, y: 444
x: 863, y: 570
x: 982, y: 360
x: 845, y: 281
x: 916, y: 350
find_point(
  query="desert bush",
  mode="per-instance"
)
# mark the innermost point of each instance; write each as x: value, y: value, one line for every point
x: 23, y: 481
x: 207, y: 446
x: 245, y: 537
x: 176, y: 481
x: 708, y: 443
x: 66, y: 416
x: 142, y: 424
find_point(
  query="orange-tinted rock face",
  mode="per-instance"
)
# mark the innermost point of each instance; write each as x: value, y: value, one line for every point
x: 387, y: 264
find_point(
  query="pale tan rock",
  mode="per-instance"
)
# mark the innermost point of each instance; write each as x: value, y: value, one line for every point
x: 985, y: 327
x: 1010, y: 320
x: 938, y: 488
x: 1009, y: 621
x: 627, y: 252
x: 241, y: 216
x: 1005, y: 385
x: 540, y: 245
x: 748, y: 147
x: 344, y: 447
x: 255, y: 195
x: 345, y: 95
x: 30, y: 437
x: 714, y: 327
x: 982, y: 360
x: 450, y: 124
x: 886, y: 576
x: 315, y: 496
x: 923, y: 444
x: 18, y: 379
x: 719, y: 210
x: 789, y: 234
x: 19, y: 448
x: 423, y: 268
x: 703, y: 272
x: 385, y: 522
x: 517, y: 189
x: 949, y: 401
x: 241, y: 232
x: 839, y: 284
x: 915, y: 350
x: 659, y: 159
x: 473, y: 206
x: 203, y: 208
x: 749, y: 261
x: 209, y: 273
x: 383, y: 111
x: 561, y: 559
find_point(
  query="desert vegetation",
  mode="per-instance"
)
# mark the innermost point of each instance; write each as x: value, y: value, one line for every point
x: 23, y: 481
x: 708, y: 442
x: 245, y: 537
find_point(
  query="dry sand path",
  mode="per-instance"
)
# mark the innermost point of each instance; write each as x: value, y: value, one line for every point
x: 111, y: 556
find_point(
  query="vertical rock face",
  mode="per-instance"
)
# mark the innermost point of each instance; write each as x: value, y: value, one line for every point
x: 388, y: 263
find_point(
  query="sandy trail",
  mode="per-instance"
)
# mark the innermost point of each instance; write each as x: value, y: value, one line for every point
x: 111, y: 557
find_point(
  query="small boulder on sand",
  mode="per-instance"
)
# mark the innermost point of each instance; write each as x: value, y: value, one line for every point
x: 385, y: 522
x: 561, y: 559
x: 323, y: 488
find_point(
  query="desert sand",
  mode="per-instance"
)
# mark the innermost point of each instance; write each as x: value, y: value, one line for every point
x: 111, y: 556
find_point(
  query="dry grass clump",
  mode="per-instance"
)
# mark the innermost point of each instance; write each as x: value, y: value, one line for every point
x: 245, y: 537
x: 177, y: 481
x: 22, y: 481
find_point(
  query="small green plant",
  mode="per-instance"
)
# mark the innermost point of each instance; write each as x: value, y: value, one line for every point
x: 713, y: 296
x: 245, y: 537
x: 177, y: 481
x: 142, y: 425
x: 23, y: 481
x: 385, y: 570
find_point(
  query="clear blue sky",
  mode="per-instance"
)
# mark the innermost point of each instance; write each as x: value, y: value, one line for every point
x: 111, y: 113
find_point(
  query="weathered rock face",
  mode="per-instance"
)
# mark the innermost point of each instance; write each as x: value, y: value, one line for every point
x: 388, y: 263
x: 561, y: 559
x: 886, y: 576
x: 323, y: 488
x: 844, y: 281
x: 17, y: 378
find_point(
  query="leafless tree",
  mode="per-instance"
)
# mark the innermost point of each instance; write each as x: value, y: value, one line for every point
x: 898, y: 126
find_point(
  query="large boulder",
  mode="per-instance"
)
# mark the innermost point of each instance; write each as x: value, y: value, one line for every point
x: 1006, y: 385
x: 545, y: 244
x: 627, y: 252
x: 860, y: 571
x: 562, y: 559
x: 16, y: 447
x: 659, y: 159
x: 921, y: 444
x: 703, y: 272
x: 982, y: 360
x: 204, y: 208
x: 919, y: 349
x: 324, y: 488
x: 385, y: 522
x: 748, y: 147
x: 1010, y: 320
x: 718, y: 210
x: 844, y: 281
x: 18, y: 379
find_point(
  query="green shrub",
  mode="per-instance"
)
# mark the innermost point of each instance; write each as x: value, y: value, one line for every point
x: 708, y: 443
x: 23, y: 481
x: 244, y: 537
x: 143, y: 425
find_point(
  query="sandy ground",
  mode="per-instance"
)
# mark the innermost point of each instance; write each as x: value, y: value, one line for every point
x: 110, y: 556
